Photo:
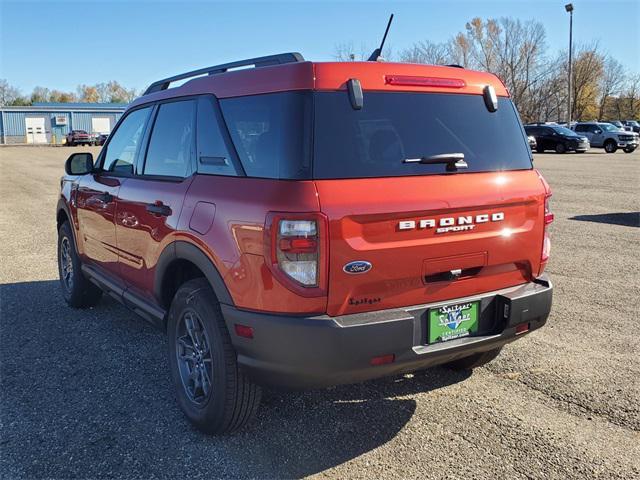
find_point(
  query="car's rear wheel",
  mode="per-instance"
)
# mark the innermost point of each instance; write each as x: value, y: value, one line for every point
x: 610, y: 146
x: 560, y: 148
x: 212, y: 390
x: 77, y: 290
x: 474, y: 361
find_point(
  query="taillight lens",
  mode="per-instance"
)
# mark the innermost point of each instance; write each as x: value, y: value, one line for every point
x: 297, y: 251
x: 546, y: 242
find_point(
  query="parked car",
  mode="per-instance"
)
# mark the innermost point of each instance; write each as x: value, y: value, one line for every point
x: 557, y: 138
x: 633, y: 124
x: 286, y: 230
x: 79, y: 137
x: 532, y: 142
x: 102, y: 138
x: 615, y: 123
x: 608, y: 136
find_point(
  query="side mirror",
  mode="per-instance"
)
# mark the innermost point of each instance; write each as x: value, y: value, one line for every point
x: 597, y: 131
x: 79, y: 164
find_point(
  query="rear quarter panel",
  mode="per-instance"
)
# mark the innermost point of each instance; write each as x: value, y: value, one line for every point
x: 235, y: 238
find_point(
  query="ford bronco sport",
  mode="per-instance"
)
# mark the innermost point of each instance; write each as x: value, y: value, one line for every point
x: 305, y: 224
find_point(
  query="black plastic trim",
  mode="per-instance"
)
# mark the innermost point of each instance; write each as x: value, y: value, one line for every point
x: 180, y: 250
x: 154, y: 314
x: 319, y: 351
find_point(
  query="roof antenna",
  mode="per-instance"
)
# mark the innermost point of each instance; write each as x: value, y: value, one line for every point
x: 377, y: 53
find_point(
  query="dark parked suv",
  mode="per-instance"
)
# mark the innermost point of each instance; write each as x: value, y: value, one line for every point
x: 557, y: 138
x: 307, y: 224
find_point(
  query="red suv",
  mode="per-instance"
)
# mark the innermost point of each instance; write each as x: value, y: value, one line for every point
x: 307, y: 224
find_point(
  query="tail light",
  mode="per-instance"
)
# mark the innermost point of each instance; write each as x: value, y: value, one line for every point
x: 297, y: 251
x: 546, y: 241
x: 548, y: 219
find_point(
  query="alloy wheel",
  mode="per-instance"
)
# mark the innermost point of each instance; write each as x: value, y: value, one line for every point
x: 195, y: 363
x: 66, y: 263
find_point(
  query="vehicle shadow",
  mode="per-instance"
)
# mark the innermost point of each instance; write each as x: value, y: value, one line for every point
x: 627, y: 219
x: 86, y: 394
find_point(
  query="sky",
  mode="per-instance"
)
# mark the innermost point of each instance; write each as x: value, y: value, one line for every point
x: 60, y: 44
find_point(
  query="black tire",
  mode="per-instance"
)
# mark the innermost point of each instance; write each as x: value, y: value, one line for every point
x: 610, y: 146
x: 231, y: 400
x: 539, y: 149
x: 629, y: 150
x: 77, y: 290
x: 560, y: 148
x: 474, y: 361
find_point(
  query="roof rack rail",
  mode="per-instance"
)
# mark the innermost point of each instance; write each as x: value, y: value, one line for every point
x: 277, y: 59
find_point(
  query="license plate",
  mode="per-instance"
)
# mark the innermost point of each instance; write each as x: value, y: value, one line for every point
x: 453, y: 321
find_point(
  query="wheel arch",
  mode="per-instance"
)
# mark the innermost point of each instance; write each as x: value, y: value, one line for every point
x: 185, y: 257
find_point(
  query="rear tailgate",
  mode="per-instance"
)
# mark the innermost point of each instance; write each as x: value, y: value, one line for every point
x: 371, y: 220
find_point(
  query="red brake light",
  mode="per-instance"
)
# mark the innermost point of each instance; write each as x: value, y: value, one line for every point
x: 296, y: 251
x: 298, y: 245
x: 409, y: 80
x: 548, y: 215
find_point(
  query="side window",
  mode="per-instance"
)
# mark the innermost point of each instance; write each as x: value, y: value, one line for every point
x: 271, y: 133
x: 593, y: 128
x: 213, y: 155
x: 581, y: 128
x: 172, y: 140
x: 125, y: 142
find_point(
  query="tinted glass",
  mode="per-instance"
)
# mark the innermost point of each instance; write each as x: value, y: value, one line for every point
x: 581, y: 128
x: 213, y: 155
x: 392, y: 127
x: 125, y: 142
x: 172, y: 140
x: 271, y: 133
x: 564, y: 131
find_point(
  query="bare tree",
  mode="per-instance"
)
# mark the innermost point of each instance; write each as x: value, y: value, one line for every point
x: 427, y: 52
x: 40, y: 94
x: 346, y: 52
x: 612, y: 79
x: 9, y: 95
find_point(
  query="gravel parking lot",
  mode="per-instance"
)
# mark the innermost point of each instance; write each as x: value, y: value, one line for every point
x: 86, y: 394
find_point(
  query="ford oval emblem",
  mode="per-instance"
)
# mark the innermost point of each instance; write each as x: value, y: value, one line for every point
x: 356, y: 267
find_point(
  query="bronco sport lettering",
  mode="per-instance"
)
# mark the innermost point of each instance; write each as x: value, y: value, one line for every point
x: 265, y: 218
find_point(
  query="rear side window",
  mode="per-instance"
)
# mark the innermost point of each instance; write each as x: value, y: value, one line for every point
x: 125, y: 142
x: 392, y: 127
x: 172, y: 140
x: 213, y: 156
x: 271, y: 133
x: 581, y: 128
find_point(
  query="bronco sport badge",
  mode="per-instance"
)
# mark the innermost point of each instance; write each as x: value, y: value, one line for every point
x: 451, y: 224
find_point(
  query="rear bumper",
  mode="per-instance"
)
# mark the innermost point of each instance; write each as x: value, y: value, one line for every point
x: 319, y: 351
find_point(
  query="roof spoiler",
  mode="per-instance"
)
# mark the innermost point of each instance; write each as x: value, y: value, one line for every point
x: 278, y: 59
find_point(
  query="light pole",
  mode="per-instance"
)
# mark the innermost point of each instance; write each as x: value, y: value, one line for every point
x: 569, y: 8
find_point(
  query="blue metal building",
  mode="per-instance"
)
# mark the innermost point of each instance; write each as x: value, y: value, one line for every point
x: 43, y: 123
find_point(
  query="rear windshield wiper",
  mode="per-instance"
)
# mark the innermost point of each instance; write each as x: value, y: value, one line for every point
x: 454, y: 161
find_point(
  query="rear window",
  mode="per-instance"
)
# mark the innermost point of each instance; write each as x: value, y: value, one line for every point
x: 392, y: 127
x: 305, y: 135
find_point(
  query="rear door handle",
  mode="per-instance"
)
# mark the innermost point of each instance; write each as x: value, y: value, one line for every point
x: 159, y: 209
